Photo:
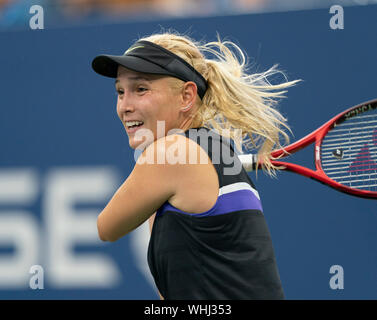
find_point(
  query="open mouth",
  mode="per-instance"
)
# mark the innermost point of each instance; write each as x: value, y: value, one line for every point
x: 133, y: 125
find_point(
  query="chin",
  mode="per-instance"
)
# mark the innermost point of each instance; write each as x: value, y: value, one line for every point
x: 138, y: 144
x: 133, y: 144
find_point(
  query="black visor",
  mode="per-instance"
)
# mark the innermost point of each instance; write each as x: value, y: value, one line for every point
x: 148, y: 57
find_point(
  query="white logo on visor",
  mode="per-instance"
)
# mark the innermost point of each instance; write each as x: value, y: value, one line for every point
x: 133, y: 48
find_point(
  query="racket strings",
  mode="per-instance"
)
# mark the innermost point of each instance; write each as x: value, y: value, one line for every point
x: 349, y: 152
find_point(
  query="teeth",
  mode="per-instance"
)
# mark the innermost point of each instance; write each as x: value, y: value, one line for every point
x: 133, y: 123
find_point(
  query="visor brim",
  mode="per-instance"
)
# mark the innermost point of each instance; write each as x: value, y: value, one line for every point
x: 107, y: 65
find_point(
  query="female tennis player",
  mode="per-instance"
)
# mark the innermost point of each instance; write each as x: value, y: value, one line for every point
x: 182, y: 102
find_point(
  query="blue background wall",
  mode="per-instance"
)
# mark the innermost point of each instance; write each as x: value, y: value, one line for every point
x: 63, y: 154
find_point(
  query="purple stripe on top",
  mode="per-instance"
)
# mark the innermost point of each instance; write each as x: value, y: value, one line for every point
x: 226, y: 203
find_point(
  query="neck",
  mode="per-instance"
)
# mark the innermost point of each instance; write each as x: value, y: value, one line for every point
x: 186, y: 124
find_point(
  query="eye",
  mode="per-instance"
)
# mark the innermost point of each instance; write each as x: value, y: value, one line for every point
x: 119, y: 92
x: 141, y: 89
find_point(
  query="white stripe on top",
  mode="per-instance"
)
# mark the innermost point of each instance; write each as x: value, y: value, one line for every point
x: 236, y: 187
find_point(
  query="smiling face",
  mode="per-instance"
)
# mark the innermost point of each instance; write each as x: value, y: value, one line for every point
x: 144, y: 99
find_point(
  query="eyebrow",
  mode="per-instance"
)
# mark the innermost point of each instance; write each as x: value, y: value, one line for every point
x: 134, y: 78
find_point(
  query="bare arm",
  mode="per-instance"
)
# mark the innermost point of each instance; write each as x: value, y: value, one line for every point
x: 151, y: 221
x: 145, y: 190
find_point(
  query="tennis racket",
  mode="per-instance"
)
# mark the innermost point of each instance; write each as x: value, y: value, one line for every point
x: 345, y: 152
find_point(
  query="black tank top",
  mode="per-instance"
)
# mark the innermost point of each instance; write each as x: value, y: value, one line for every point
x: 223, y: 253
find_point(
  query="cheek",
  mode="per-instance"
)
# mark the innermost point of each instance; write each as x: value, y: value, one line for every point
x: 172, y: 115
x: 160, y: 108
x: 118, y: 109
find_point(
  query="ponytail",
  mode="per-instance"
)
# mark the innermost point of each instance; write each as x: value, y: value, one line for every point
x: 235, y: 101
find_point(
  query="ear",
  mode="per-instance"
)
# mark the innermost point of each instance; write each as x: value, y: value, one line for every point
x: 189, y: 93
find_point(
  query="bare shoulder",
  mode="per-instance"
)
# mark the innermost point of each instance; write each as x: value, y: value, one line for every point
x: 186, y: 167
x: 173, y: 150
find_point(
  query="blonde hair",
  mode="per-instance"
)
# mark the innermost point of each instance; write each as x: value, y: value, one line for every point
x: 234, y: 100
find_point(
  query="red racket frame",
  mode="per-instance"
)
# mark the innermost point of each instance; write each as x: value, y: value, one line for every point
x: 319, y: 175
